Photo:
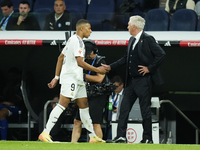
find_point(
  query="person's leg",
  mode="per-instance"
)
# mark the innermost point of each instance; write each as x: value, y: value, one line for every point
x: 145, y: 107
x: 126, y: 105
x: 85, y: 116
x: 54, y: 115
x: 96, y: 106
x: 98, y: 130
x: 76, y: 133
x: 4, y: 113
x: 56, y: 112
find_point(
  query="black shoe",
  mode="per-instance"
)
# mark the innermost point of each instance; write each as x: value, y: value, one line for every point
x: 119, y: 140
x: 147, y: 141
x: 109, y: 141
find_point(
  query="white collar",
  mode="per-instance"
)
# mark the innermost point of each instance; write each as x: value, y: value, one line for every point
x: 56, y: 19
x: 138, y: 35
x: 121, y: 92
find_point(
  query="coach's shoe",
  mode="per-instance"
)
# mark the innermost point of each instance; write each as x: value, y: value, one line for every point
x: 117, y: 140
x: 45, y: 137
x: 146, y: 141
x: 96, y: 139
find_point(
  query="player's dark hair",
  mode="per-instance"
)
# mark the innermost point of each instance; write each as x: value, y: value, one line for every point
x: 81, y: 21
x: 6, y: 3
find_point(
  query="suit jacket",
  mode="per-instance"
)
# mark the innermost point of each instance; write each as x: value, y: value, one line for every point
x: 10, y: 21
x: 150, y: 53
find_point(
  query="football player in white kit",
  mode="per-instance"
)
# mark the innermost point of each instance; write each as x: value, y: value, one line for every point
x: 69, y: 70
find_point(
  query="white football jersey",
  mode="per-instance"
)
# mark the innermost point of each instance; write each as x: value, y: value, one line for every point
x: 71, y: 72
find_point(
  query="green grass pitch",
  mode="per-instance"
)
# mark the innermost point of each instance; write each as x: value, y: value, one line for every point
x: 26, y: 145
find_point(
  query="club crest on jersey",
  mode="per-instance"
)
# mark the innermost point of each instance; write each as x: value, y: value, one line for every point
x: 80, y: 51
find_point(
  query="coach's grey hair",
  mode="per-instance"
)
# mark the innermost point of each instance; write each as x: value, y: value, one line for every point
x: 60, y: 0
x: 138, y: 21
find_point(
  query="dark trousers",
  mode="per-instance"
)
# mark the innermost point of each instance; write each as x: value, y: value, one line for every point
x: 138, y: 87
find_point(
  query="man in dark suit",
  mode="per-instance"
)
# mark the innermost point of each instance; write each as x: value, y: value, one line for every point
x: 142, y: 59
x: 6, y: 20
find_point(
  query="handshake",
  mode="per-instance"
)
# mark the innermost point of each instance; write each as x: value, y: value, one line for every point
x: 104, y: 69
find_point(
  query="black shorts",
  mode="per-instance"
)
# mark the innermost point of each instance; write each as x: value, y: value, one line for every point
x: 96, y: 106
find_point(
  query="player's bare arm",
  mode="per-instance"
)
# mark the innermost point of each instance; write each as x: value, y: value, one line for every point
x: 59, y: 64
x: 95, y: 78
x: 86, y: 66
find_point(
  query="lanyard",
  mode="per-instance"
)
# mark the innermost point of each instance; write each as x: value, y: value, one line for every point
x: 5, y: 20
x: 92, y: 64
x: 115, y: 103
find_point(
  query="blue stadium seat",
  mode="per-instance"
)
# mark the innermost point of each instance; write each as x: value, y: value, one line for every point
x: 118, y: 3
x: 100, y: 13
x: 198, y: 25
x: 75, y: 16
x: 183, y: 20
x: 39, y: 4
x: 196, y: 1
x: 140, y: 9
x: 77, y: 6
x: 41, y: 14
x: 121, y: 19
x: 17, y: 2
x: 157, y: 20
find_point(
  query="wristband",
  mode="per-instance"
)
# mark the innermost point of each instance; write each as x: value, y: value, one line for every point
x: 57, y: 77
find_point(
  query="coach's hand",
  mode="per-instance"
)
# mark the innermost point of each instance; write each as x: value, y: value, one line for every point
x: 107, y: 67
x: 102, y: 70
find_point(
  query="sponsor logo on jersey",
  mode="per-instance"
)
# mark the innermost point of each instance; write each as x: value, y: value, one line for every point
x: 67, y: 23
x: 80, y: 51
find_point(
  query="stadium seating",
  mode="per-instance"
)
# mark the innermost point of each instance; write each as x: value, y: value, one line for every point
x: 117, y: 3
x: 40, y: 4
x: 75, y: 16
x: 78, y: 9
x: 183, y: 20
x: 157, y: 20
x: 198, y: 25
x: 140, y: 9
x: 196, y: 1
x: 121, y: 18
x: 41, y: 14
x: 100, y: 13
x: 104, y: 15
x: 77, y: 6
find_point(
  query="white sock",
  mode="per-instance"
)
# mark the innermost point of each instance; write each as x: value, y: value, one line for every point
x: 53, y: 117
x: 87, y: 122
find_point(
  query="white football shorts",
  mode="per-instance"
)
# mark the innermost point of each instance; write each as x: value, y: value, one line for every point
x: 73, y: 91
